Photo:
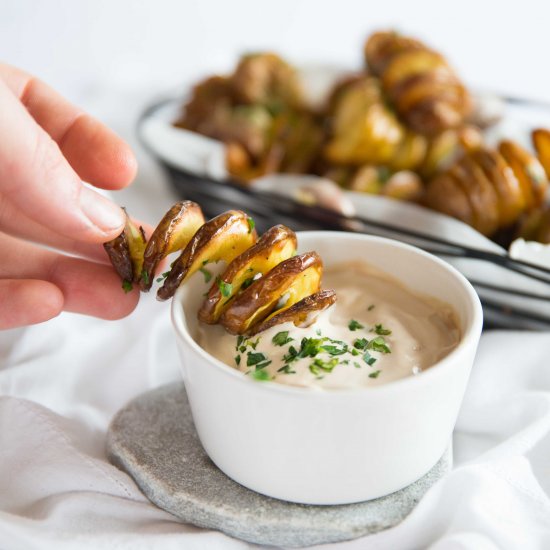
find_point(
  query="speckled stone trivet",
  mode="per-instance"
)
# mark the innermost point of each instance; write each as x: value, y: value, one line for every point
x: 154, y: 439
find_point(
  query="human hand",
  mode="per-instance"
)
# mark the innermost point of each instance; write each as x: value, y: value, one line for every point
x: 48, y: 147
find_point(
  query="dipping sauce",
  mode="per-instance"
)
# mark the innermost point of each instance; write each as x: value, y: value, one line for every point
x: 376, y: 332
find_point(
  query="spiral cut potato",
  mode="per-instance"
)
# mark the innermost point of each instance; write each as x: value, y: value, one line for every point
x: 259, y: 113
x: 265, y: 282
x: 365, y: 131
x: 490, y: 189
x: 420, y: 84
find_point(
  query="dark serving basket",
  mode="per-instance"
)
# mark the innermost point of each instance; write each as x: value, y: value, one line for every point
x: 500, y: 302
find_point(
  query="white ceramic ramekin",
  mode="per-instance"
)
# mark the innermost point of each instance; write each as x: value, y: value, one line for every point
x: 340, y: 446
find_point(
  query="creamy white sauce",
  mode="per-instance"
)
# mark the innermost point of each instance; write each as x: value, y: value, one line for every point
x: 423, y: 331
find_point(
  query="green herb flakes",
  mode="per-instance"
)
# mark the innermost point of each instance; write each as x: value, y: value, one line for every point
x: 145, y: 276
x: 281, y: 338
x: 225, y: 288
x: 326, y: 366
x: 260, y: 375
x: 371, y: 307
x: 254, y: 358
x: 127, y: 286
x: 369, y: 359
x: 291, y: 356
x: 163, y: 277
x: 361, y: 343
x: 247, y: 283
x: 379, y: 344
x: 355, y: 325
x: 374, y: 374
x: 336, y: 347
x: 286, y: 369
x: 240, y: 340
x: 207, y: 274
x: 379, y: 329
x: 251, y: 224
x: 238, y: 359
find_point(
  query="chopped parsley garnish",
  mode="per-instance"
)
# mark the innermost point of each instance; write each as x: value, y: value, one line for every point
x: 281, y: 338
x: 240, y: 340
x: 145, y: 276
x: 336, y: 347
x: 292, y: 355
x: 325, y: 353
x: 379, y: 344
x: 225, y: 288
x: 287, y: 370
x: 207, y: 274
x: 361, y: 343
x: 162, y: 277
x: 247, y: 283
x: 261, y: 375
x: 355, y: 325
x: 369, y: 359
x: 326, y: 366
x: 379, y: 329
x: 127, y: 286
x: 371, y: 307
x: 310, y: 347
x: 255, y: 358
x: 251, y: 224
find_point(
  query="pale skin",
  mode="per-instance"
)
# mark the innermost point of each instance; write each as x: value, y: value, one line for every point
x: 48, y: 148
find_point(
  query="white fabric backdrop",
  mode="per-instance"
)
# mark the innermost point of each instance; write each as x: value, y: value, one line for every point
x: 61, y: 382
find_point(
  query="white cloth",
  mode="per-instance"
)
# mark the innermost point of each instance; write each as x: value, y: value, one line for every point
x: 62, y: 381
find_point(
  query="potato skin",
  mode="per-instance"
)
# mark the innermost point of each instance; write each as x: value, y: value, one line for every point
x: 298, y: 312
x: 173, y: 233
x: 422, y: 86
x: 276, y: 245
x: 255, y: 303
x: 490, y: 189
x: 222, y: 238
x: 126, y: 251
x: 541, y: 141
x: 528, y: 171
x: 119, y: 254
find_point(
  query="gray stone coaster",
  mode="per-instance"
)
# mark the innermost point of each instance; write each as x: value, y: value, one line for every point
x: 154, y: 439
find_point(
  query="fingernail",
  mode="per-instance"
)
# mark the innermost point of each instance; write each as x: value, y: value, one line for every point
x: 101, y: 212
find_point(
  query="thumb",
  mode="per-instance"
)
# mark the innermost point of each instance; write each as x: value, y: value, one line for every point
x: 36, y: 177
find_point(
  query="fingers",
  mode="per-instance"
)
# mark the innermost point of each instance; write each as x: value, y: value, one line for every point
x: 16, y: 223
x: 36, y: 178
x: 86, y: 287
x: 94, y: 151
x: 27, y: 302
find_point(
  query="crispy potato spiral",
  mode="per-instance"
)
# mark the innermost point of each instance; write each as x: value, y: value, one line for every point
x: 490, y: 189
x: 265, y: 282
x: 420, y: 84
x: 365, y: 130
